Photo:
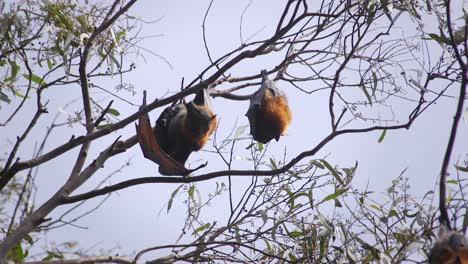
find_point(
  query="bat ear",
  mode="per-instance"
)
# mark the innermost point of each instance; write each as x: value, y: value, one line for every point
x: 267, y: 83
x: 202, y: 97
x: 144, y: 99
x: 264, y: 74
x: 277, y: 138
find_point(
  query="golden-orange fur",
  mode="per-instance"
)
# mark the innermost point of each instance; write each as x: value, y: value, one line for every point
x: 185, y: 127
x: 276, y: 110
x: 450, y: 256
x: 153, y: 150
x: 271, y: 118
x: 269, y: 114
x: 451, y: 248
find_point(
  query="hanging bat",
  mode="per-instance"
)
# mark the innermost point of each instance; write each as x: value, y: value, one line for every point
x: 180, y: 129
x: 269, y: 114
x: 451, y: 248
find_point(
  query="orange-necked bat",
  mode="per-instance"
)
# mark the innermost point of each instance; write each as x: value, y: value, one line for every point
x: 180, y: 129
x: 269, y: 114
x: 451, y: 248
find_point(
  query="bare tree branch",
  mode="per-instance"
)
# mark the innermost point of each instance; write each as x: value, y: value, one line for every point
x: 444, y: 218
x: 99, y: 259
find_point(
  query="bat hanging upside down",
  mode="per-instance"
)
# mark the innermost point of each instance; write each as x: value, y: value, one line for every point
x: 180, y: 129
x: 451, y: 248
x: 269, y: 115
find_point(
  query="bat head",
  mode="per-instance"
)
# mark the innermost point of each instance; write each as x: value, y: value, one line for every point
x: 268, y: 84
x: 202, y: 98
x: 199, y: 112
x: 448, y: 246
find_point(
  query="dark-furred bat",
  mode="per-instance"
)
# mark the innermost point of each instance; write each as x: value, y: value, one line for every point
x: 451, y: 248
x: 269, y: 114
x: 180, y: 129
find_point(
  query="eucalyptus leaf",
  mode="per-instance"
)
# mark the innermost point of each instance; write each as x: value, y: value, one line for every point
x: 34, y: 78
x: 113, y: 112
x: 201, y: 228
x: 382, y: 136
x: 239, y: 131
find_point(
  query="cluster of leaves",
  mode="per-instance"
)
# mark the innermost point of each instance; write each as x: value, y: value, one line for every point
x: 288, y: 218
x: 41, y: 43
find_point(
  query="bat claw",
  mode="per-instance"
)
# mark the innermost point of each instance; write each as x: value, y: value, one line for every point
x: 199, y: 167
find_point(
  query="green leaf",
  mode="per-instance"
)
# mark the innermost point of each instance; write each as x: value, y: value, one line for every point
x: 317, y: 164
x: 364, y: 89
x: 171, y: 200
x: 442, y: 39
x: 374, y: 87
x: 376, y: 207
x: 293, y: 174
x: 428, y: 5
x: 311, y: 199
x: 460, y: 168
x: 264, y: 216
x: 250, y: 146
x: 273, y: 164
x: 191, y: 191
x: 238, y: 237
x: 333, y: 171
x: 292, y: 257
x: 382, y: 136
x: 436, y: 37
x: 452, y: 182
x: 4, y: 97
x: 201, y: 228
x: 374, y: 251
x: 14, y: 71
x: 267, y: 244
x: 34, y: 78
x: 17, y: 253
x: 322, y: 246
x: 114, y: 60
x: 50, y: 65
x: 292, y: 199
x: 427, y: 194
x: 274, y: 228
x: 392, y: 213
x: 335, y: 195
x: 16, y: 93
x: 29, y: 239
x: 51, y: 255
x: 239, y: 131
x: 260, y: 146
x: 113, y: 112
x: 350, y: 171
x: 459, y: 36
x: 119, y: 35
